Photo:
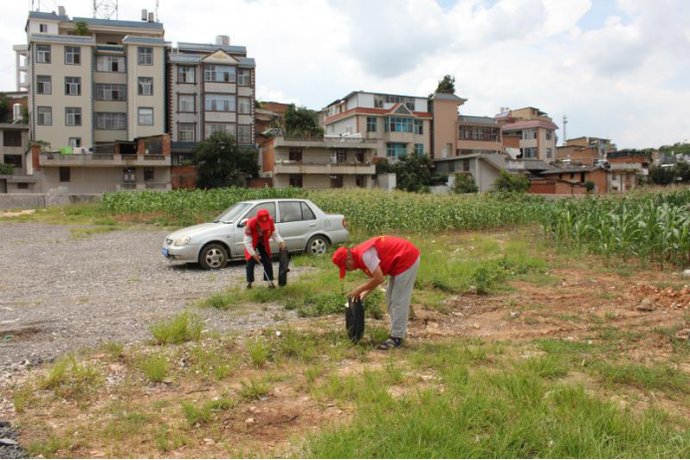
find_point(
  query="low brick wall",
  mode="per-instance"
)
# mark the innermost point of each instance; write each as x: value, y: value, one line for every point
x: 22, y: 200
x: 42, y: 200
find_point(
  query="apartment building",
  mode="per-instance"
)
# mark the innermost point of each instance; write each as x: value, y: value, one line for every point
x: 212, y: 89
x: 398, y: 125
x: 528, y: 133
x: 96, y: 88
x: 318, y: 162
x: 92, y: 81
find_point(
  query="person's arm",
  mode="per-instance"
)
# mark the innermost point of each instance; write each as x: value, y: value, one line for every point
x: 376, y: 279
x: 275, y: 236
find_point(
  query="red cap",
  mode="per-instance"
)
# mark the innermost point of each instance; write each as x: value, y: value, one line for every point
x: 264, y: 219
x: 339, y: 258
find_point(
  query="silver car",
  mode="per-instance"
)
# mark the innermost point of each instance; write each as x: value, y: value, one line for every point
x: 302, y: 224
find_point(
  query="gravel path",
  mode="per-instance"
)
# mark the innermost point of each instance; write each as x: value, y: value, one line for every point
x: 60, y: 293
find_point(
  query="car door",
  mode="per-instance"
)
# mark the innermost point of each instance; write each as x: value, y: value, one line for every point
x: 297, y: 223
x: 238, y: 237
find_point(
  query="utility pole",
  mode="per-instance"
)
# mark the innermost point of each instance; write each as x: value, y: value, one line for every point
x: 565, y: 131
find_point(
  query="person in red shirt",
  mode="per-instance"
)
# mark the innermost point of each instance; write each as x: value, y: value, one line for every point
x: 257, y: 248
x: 379, y: 257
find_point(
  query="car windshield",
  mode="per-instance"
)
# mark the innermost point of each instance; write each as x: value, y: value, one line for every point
x: 233, y: 213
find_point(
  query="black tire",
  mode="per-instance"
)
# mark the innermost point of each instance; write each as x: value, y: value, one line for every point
x: 317, y: 245
x: 213, y: 257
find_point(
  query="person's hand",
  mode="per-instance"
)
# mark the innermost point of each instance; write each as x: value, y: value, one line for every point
x: 257, y: 257
x: 281, y: 245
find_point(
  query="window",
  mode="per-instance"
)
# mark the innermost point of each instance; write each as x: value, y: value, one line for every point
x: 110, y: 64
x: 145, y: 86
x: 43, y: 54
x: 185, y: 74
x: 396, y: 150
x: 529, y: 134
x: 219, y: 103
x: 129, y: 175
x: 110, y: 92
x: 72, y: 55
x: 244, y: 134
x: 72, y: 116
x: 14, y: 160
x: 219, y: 73
x: 244, y: 77
x: 340, y: 155
x: 111, y: 120
x: 296, y: 180
x: 185, y: 132
x: 530, y: 152
x: 75, y: 142
x: 466, y: 165
x: 145, y: 116
x: 449, y: 149
x: 43, y: 28
x: 337, y: 181
x: 186, y: 103
x: 548, y: 134
x: 44, y: 116
x: 211, y: 128
x: 361, y: 181
x: 419, y: 149
x: 64, y: 174
x: 418, y: 127
x: 144, y: 55
x: 371, y: 124
x: 290, y: 211
x: 399, y: 124
x: 244, y: 105
x: 549, y: 152
x: 476, y: 133
x: 148, y: 174
x: 44, y: 84
x: 11, y: 138
x: 72, y: 86
x: 295, y: 154
x: 359, y: 156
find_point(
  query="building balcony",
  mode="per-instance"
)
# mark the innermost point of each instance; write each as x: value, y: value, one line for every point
x: 298, y: 167
x: 327, y: 142
x: 99, y: 160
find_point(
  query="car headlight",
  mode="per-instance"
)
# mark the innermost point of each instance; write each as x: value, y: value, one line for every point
x: 182, y: 241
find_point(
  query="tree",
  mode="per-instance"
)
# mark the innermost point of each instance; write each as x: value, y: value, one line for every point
x: 446, y: 85
x: 464, y: 183
x: 81, y: 28
x: 222, y: 163
x: 507, y: 182
x: 300, y: 121
x: 414, y: 173
x: 5, y: 108
x: 662, y: 176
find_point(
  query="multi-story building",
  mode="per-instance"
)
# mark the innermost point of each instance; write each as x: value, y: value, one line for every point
x: 211, y: 89
x: 586, y: 150
x: 398, y: 125
x: 318, y: 162
x: 92, y: 81
x: 528, y: 133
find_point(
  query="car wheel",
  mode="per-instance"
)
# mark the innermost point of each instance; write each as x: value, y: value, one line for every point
x: 317, y: 245
x: 213, y: 257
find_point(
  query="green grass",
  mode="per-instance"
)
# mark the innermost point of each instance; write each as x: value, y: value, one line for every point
x: 154, y: 366
x: 69, y: 378
x: 184, y: 327
x: 516, y: 409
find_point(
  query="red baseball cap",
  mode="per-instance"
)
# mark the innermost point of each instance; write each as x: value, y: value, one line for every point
x: 264, y: 219
x: 339, y: 258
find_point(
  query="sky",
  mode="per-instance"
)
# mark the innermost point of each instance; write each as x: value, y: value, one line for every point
x: 617, y: 69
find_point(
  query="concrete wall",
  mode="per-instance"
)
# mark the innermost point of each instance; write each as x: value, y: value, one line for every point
x: 42, y: 200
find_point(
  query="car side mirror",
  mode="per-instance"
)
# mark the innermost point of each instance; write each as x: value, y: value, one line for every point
x: 242, y: 223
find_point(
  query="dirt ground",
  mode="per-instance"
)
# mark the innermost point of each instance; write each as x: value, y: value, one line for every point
x: 565, y: 309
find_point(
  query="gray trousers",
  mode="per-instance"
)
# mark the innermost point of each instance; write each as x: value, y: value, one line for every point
x: 398, y: 297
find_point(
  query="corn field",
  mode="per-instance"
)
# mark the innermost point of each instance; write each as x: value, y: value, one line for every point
x: 648, y: 227
x: 653, y: 227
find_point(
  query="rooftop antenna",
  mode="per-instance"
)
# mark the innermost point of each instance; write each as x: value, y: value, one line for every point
x: 565, y: 124
x: 157, y: 11
x: 105, y: 9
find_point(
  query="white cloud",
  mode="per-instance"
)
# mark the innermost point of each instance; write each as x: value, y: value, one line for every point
x: 625, y: 79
